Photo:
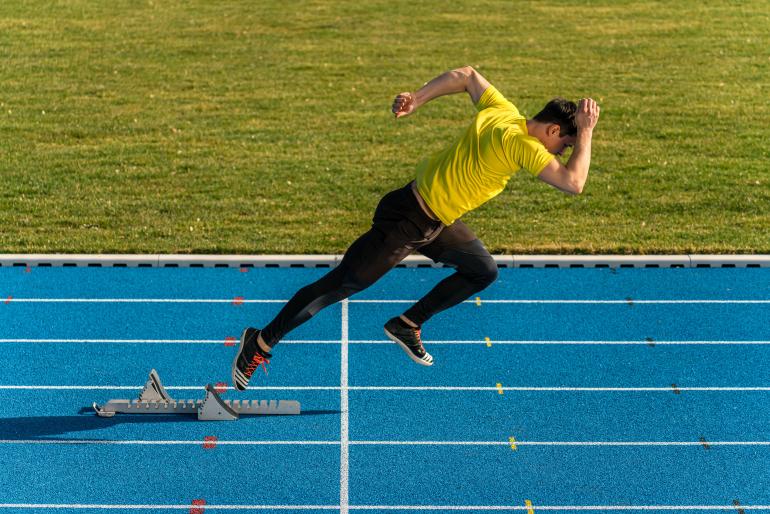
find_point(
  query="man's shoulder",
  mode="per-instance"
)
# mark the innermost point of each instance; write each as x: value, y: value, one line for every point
x: 492, y: 99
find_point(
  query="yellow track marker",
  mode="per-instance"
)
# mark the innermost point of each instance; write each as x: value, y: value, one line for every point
x: 478, y: 301
x: 489, y: 343
x: 499, y: 388
x: 530, y: 509
x: 512, y: 440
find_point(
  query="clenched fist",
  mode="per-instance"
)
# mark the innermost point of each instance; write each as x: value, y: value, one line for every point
x: 404, y: 104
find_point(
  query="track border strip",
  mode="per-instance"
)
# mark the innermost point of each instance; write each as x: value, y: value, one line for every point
x: 413, y: 261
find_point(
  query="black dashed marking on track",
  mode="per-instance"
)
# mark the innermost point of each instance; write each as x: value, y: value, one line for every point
x: 705, y: 443
x: 650, y: 342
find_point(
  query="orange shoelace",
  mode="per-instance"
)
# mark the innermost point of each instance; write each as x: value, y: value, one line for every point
x: 256, y: 361
x: 417, y: 332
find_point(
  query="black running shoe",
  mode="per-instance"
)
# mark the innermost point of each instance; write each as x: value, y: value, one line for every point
x: 249, y: 357
x: 409, y: 339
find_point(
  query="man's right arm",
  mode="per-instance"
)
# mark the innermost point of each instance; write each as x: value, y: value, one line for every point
x: 456, y: 81
x: 572, y: 177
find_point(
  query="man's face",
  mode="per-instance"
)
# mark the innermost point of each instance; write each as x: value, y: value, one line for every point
x: 554, y: 142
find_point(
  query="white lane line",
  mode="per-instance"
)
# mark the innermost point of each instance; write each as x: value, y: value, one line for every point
x: 731, y: 508
x: 170, y: 388
x: 389, y: 388
x: 558, y: 507
x: 154, y: 508
x: 344, y: 421
x: 387, y: 342
x: 199, y: 442
x: 629, y: 301
x: 381, y: 443
x: 576, y: 389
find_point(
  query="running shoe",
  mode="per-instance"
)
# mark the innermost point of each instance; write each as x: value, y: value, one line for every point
x: 249, y: 357
x: 408, y: 338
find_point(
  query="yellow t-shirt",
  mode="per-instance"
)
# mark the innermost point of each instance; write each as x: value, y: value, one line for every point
x: 478, y: 166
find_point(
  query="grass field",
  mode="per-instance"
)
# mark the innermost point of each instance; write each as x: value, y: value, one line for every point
x: 264, y: 127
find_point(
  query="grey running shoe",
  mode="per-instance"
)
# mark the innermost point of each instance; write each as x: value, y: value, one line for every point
x: 408, y: 338
x: 249, y: 357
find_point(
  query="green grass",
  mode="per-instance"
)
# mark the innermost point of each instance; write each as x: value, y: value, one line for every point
x: 264, y: 127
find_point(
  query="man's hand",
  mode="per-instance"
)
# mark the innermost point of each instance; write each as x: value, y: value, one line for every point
x: 587, y: 114
x: 404, y: 105
x: 572, y: 177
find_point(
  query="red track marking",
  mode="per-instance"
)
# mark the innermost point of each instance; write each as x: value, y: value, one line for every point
x: 198, y: 506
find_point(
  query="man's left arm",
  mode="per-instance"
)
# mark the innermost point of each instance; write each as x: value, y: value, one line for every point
x: 456, y: 81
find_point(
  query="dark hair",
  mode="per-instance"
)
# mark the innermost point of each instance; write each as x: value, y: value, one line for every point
x: 561, y: 112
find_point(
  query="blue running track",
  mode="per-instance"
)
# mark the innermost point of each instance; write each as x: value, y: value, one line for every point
x: 556, y: 390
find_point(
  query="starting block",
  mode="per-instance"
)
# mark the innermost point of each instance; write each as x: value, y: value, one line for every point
x: 154, y: 399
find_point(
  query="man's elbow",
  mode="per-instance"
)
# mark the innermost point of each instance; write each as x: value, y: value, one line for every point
x: 466, y: 70
x: 465, y: 75
x: 575, y: 188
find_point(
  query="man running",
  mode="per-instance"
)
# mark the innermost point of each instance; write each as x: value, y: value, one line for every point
x: 424, y: 214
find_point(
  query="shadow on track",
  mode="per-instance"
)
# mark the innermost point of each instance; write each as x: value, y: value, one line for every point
x: 40, y: 427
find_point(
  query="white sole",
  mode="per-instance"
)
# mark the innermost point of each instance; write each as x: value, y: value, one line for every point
x: 408, y: 351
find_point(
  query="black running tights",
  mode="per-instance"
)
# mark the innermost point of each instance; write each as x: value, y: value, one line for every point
x: 399, y: 227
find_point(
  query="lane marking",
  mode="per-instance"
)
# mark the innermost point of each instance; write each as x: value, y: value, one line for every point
x: 155, y: 508
x: 499, y: 388
x: 238, y: 300
x: 395, y: 388
x: 386, y: 342
x: 528, y: 504
x: 344, y: 425
x: 8, y: 300
x: 489, y: 343
x: 215, y: 441
x: 676, y: 389
x: 737, y: 505
x: 221, y: 387
x: 209, y: 442
x: 230, y: 341
x: 512, y: 442
x: 384, y: 507
x: 705, y: 443
x: 477, y: 301
x: 198, y: 506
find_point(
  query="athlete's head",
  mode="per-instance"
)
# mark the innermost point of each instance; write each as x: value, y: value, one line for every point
x: 556, y: 125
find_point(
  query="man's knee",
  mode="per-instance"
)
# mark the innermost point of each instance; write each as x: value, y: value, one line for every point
x: 474, y: 262
x: 485, y: 272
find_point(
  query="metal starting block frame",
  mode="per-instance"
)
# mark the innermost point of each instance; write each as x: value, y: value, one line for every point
x: 154, y: 399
